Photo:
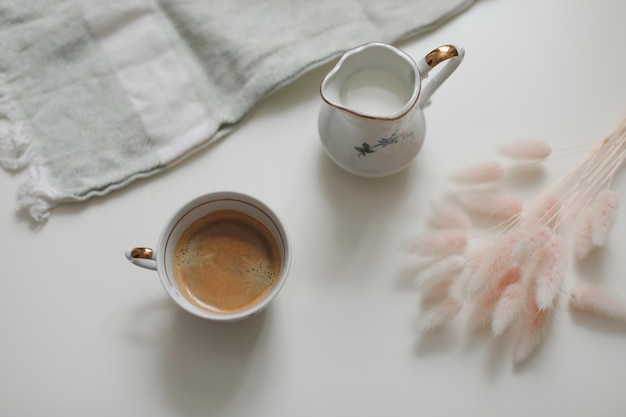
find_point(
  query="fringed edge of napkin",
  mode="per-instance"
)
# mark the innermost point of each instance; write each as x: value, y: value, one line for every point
x: 15, y: 142
x: 35, y: 195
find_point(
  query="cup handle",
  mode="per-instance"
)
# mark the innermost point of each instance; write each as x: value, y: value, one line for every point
x: 452, y: 56
x: 143, y: 257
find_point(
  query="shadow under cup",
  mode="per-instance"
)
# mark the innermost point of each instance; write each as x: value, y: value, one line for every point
x: 201, y: 208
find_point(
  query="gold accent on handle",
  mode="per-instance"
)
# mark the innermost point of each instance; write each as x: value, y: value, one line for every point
x: 142, y: 253
x: 437, y: 56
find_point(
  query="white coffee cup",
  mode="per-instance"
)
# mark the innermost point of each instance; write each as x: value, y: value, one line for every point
x: 163, y: 258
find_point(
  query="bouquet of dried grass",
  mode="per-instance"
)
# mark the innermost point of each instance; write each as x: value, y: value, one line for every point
x: 511, y: 277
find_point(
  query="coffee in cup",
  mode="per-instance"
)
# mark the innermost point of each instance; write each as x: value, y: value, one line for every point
x: 223, y: 256
x: 226, y: 262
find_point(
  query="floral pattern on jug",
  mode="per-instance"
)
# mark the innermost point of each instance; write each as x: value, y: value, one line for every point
x: 366, y: 148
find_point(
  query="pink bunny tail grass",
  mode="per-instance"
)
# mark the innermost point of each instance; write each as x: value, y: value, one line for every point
x: 532, y: 327
x: 447, y: 216
x: 582, y: 237
x: 440, y: 242
x: 529, y: 240
x: 437, y: 292
x: 440, y: 314
x: 590, y: 299
x: 532, y: 330
x: 526, y: 150
x: 441, y: 272
x: 495, y: 261
x: 508, y: 309
x: 592, y: 229
x: 483, y: 309
x: 552, y: 267
x: 497, y: 206
x: 545, y: 212
x: 604, y: 210
x: 485, y: 172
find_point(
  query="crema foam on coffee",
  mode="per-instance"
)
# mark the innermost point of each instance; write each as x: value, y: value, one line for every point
x: 226, y: 262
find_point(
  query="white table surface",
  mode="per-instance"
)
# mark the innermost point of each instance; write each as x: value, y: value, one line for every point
x: 85, y: 333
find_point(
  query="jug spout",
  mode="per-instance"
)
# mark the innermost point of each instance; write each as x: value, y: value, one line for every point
x: 373, y: 81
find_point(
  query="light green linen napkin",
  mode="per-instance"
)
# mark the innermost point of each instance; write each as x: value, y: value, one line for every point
x: 95, y: 94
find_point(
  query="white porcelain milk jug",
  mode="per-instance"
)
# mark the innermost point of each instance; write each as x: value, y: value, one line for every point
x: 371, y: 121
